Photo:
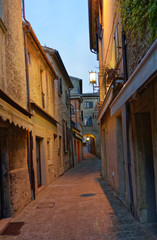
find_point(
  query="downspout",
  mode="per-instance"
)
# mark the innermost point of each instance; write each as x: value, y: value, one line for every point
x: 71, y: 136
x: 29, y: 134
x: 127, y: 124
x: 26, y: 57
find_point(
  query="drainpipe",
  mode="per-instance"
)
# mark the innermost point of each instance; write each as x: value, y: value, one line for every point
x: 29, y: 134
x: 71, y: 135
x: 127, y: 124
x: 26, y: 57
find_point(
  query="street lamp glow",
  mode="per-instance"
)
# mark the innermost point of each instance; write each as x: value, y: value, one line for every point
x: 87, y: 138
x: 92, y: 77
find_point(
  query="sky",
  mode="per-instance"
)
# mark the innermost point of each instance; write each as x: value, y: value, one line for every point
x: 63, y: 25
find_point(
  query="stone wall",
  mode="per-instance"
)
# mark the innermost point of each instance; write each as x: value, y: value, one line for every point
x: 18, y: 170
x: 136, y: 50
x: 15, y: 85
x: 111, y: 152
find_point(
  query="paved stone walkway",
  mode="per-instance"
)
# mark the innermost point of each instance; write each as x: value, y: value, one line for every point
x: 78, y: 206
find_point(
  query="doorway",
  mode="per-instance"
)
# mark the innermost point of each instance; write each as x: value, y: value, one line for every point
x: 121, y: 167
x: 38, y: 161
x: 78, y: 149
x: 5, y: 207
x: 146, y: 178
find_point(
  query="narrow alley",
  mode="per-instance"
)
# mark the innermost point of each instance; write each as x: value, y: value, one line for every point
x: 77, y: 206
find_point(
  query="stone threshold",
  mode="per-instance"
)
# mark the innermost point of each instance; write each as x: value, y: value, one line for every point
x: 4, y: 222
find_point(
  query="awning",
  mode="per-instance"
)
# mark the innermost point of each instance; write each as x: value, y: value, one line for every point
x: 7, y: 112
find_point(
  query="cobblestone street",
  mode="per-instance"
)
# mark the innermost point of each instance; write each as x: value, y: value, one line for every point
x: 78, y: 206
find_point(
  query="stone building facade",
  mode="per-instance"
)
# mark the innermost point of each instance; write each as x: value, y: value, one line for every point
x: 62, y: 87
x: 90, y: 128
x: 15, y: 123
x: 127, y: 116
x: 30, y: 131
x: 42, y: 100
x: 76, y: 118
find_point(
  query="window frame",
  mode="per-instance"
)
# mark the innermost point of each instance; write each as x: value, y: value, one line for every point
x: 87, y: 104
x: 60, y: 86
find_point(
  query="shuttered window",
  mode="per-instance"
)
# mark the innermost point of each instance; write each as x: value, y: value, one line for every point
x: 88, y: 104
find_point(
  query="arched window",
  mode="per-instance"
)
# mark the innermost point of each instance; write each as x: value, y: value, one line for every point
x: 85, y: 121
x: 90, y: 121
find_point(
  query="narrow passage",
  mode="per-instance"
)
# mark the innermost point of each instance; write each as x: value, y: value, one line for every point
x: 78, y: 206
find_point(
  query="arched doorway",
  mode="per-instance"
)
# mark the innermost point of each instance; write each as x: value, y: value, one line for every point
x: 89, y: 144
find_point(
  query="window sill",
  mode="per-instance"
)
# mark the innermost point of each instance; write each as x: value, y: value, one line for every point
x: 3, y: 27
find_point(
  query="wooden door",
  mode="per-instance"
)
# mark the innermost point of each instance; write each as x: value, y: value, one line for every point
x: 38, y: 161
x: 78, y: 149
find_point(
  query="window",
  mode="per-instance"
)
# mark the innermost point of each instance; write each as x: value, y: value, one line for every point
x: 116, y: 44
x: 60, y: 90
x: 88, y: 104
x: 90, y: 121
x: 67, y: 98
x: 48, y: 150
x: 42, y: 89
x: 99, y: 27
x: 85, y: 121
x: 82, y: 115
x: 65, y: 135
x: 95, y: 115
x: 55, y: 140
x: 72, y: 110
x: 29, y: 58
x: 59, y: 149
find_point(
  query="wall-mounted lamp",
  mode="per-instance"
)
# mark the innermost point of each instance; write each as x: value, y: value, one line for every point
x: 92, y: 77
x: 88, y: 138
x: 93, y: 81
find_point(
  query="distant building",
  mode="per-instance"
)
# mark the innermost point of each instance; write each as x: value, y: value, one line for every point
x: 90, y: 128
x: 76, y: 118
